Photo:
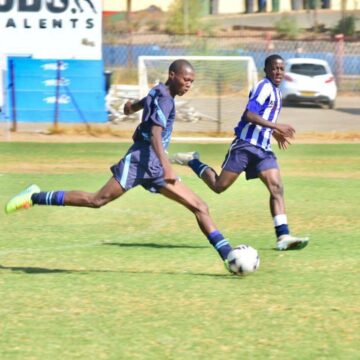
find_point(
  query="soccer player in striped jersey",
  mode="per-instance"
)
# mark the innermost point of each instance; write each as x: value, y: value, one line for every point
x: 250, y: 152
x: 145, y: 163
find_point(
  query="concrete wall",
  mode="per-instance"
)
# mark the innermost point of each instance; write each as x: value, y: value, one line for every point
x: 136, y: 5
x: 222, y: 6
x: 350, y: 5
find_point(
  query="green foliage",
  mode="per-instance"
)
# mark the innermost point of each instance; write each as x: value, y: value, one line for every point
x: 184, y: 17
x: 287, y: 28
x: 138, y: 280
x: 345, y: 26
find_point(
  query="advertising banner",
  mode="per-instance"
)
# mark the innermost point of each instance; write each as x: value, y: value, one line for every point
x: 51, y: 29
x: 67, y: 91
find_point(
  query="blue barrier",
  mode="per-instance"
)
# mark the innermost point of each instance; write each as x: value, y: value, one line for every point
x: 71, y: 91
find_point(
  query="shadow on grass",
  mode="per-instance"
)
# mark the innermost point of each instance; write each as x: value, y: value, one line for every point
x: 39, y: 270
x: 274, y: 249
x: 36, y: 270
x: 156, y: 246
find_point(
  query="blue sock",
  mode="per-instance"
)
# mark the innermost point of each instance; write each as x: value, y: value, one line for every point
x: 221, y: 245
x: 282, y: 230
x: 197, y: 166
x: 48, y: 198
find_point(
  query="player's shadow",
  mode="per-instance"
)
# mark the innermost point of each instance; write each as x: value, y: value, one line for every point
x: 155, y: 246
x: 39, y: 270
x: 36, y: 270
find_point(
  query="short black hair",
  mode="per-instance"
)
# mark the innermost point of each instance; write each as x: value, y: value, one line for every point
x: 178, y: 65
x: 271, y: 58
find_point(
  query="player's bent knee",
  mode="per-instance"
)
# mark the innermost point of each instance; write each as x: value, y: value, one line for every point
x: 202, y: 207
x: 277, y: 189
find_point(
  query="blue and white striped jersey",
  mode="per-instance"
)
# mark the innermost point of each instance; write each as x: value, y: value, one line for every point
x: 159, y: 109
x: 264, y: 100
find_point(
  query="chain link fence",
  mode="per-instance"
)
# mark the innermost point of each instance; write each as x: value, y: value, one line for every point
x: 121, y: 52
x: 215, y: 114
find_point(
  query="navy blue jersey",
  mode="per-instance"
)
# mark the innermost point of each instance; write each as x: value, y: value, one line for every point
x: 159, y: 109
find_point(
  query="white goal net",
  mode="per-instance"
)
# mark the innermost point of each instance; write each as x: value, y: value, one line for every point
x: 219, y: 93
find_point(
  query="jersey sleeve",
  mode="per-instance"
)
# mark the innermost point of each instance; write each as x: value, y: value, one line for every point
x: 161, y: 110
x: 143, y: 102
x: 258, y: 97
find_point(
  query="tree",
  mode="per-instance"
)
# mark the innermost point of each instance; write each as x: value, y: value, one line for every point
x: 184, y: 17
x: 128, y: 12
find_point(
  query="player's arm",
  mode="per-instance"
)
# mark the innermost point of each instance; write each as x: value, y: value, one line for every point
x: 256, y: 105
x: 132, y: 107
x: 156, y: 142
x: 283, y: 129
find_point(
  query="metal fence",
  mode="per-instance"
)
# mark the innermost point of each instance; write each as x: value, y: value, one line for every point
x: 121, y: 51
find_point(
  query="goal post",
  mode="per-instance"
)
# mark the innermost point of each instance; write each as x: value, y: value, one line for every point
x: 222, y: 84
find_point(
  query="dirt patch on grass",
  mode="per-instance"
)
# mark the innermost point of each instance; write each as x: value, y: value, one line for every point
x: 107, y: 134
x: 330, y: 137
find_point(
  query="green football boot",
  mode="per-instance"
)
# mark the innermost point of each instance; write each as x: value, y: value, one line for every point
x: 21, y: 200
x: 227, y: 267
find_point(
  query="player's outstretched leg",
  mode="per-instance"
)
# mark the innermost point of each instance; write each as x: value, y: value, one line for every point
x: 217, y: 183
x: 22, y: 200
x: 183, y: 195
x: 191, y: 159
x: 33, y: 196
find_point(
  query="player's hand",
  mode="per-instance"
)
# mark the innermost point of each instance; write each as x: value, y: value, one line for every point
x: 282, y: 141
x: 169, y: 175
x: 285, y: 130
x: 128, y: 108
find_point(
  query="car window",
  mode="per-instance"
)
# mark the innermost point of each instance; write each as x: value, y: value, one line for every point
x: 308, y: 69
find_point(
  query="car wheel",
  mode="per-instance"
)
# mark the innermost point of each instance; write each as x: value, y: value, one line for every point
x: 331, y: 104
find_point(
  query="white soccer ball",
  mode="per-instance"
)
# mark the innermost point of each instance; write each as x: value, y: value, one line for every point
x: 243, y: 260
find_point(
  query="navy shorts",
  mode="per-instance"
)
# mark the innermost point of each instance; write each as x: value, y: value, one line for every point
x: 243, y: 156
x: 140, y: 166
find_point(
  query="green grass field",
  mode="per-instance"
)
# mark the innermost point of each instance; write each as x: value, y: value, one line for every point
x: 137, y: 280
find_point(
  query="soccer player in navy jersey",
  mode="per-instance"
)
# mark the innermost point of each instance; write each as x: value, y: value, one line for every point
x: 250, y: 152
x: 145, y: 163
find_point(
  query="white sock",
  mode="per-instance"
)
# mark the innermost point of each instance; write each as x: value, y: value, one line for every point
x: 280, y: 220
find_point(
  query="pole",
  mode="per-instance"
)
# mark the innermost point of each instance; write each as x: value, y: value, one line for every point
x: 339, y: 56
x: 13, y: 96
x: 218, y: 93
x: 129, y: 31
x: 343, y: 8
x: 57, y: 95
x: 316, y: 22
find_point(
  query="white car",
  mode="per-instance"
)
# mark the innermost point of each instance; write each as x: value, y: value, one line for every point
x: 308, y: 81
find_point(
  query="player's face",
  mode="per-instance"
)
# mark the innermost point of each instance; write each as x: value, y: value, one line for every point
x: 181, y: 82
x: 275, y: 71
